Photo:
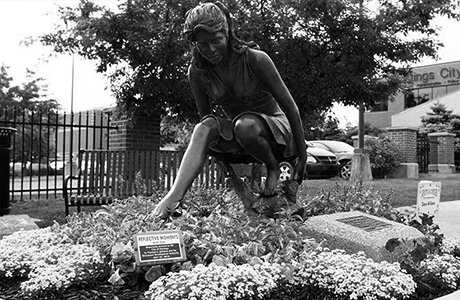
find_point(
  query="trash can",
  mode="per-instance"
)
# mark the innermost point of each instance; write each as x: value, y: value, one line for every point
x: 5, y: 147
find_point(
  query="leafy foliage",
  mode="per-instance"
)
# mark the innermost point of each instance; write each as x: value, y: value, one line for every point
x: 326, y: 51
x: 344, y: 198
x: 222, y: 243
x: 432, y: 264
x: 28, y: 102
x: 384, y: 156
x: 369, y: 129
x: 30, y: 96
x: 442, y: 119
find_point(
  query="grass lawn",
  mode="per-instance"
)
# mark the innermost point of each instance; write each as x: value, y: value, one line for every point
x: 404, y: 194
x: 404, y: 190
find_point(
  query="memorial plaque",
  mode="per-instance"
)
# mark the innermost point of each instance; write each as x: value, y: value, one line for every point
x: 365, y: 223
x: 355, y: 231
x: 428, y: 197
x: 159, y: 247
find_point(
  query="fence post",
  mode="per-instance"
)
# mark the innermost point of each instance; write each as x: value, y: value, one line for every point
x: 5, y: 147
x: 405, y: 138
x: 137, y: 133
x: 441, y: 153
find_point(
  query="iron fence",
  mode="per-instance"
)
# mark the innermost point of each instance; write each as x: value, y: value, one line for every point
x: 45, y: 151
x: 423, y: 153
x: 45, y: 147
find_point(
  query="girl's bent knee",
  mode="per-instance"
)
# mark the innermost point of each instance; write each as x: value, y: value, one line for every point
x: 205, y: 128
x: 247, y: 128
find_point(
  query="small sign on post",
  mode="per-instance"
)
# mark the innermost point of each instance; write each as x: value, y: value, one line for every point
x: 428, y: 197
x: 159, y: 247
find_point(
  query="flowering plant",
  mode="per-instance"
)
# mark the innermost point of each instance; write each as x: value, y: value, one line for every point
x: 217, y: 282
x: 22, y: 249
x: 353, y: 275
x: 61, y: 266
x: 47, y: 260
x: 229, y: 255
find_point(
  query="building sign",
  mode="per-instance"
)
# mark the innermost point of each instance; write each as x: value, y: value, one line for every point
x: 434, y: 75
x: 159, y: 247
x: 428, y: 197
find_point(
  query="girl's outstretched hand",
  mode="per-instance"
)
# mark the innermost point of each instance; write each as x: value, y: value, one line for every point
x: 165, y: 209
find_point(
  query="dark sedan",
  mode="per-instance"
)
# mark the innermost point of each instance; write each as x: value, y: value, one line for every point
x: 343, y: 151
x: 320, y: 164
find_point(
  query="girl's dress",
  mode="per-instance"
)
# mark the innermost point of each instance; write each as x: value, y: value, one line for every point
x: 248, y: 95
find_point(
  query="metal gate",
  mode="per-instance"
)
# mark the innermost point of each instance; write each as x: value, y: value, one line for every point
x: 45, y: 147
x: 423, y: 153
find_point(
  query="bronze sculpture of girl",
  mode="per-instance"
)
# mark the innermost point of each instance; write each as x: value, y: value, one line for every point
x: 260, y: 119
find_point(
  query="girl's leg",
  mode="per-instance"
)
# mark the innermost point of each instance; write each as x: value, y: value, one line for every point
x: 252, y: 133
x: 192, y: 163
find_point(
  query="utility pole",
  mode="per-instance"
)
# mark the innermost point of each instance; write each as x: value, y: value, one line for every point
x: 360, y: 164
x: 72, y: 83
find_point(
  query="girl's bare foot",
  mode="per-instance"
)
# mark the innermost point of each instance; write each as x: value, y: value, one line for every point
x: 271, y: 183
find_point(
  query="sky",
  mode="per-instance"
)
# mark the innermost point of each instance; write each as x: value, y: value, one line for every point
x: 20, y: 19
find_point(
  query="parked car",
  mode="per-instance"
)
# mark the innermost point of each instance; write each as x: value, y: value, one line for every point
x: 343, y: 151
x: 321, y: 163
x: 18, y: 168
x: 57, y: 165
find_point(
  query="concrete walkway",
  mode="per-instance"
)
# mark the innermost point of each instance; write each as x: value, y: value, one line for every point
x: 448, y: 219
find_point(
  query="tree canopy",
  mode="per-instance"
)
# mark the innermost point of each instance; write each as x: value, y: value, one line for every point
x: 30, y: 95
x: 327, y: 51
x: 23, y: 103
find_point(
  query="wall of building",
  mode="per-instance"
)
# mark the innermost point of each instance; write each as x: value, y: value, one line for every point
x: 379, y: 119
x: 412, y: 117
x: 433, y: 81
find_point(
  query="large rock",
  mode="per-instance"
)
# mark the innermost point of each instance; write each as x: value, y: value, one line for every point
x: 356, y: 231
x: 12, y: 223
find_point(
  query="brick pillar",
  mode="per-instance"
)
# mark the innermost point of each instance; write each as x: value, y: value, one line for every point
x: 137, y: 133
x: 441, y: 153
x: 405, y: 139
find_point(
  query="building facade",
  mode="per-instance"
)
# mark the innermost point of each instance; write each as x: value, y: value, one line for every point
x: 431, y: 83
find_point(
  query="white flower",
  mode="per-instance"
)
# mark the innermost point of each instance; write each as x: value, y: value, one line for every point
x: 354, y: 275
x: 216, y: 282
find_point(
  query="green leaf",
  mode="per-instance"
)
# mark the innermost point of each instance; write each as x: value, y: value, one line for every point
x: 392, y: 244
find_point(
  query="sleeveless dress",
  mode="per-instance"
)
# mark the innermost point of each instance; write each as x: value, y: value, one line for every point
x: 248, y: 95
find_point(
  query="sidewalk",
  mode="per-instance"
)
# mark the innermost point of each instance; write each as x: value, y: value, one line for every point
x: 448, y: 219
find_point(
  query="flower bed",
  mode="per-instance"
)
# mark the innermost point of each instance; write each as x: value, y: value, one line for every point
x: 229, y: 255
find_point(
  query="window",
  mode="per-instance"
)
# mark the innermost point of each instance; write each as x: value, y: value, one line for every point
x: 379, y: 106
x: 416, y: 97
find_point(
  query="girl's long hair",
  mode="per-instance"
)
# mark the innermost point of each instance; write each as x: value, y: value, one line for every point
x: 211, y: 17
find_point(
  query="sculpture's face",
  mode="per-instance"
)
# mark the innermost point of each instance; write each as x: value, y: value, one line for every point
x: 212, y: 46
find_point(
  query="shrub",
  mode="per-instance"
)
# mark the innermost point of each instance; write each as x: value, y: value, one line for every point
x: 342, y: 198
x: 384, y: 156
